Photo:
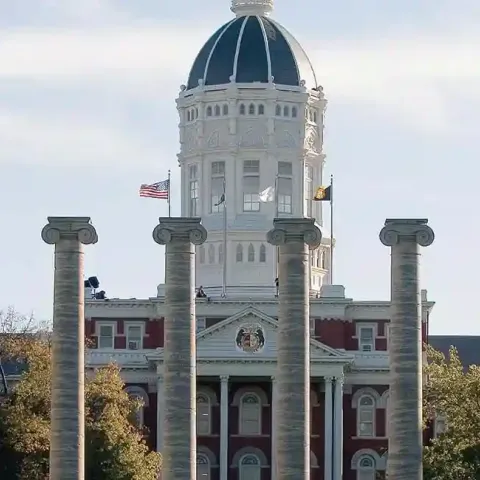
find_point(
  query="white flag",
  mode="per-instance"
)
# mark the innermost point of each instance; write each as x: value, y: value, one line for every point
x: 268, y: 195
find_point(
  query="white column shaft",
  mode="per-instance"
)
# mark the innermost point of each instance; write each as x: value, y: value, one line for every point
x: 160, y: 413
x: 224, y: 428
x: 338, y: 430
x: 328, y: 429
x: 273, y: 474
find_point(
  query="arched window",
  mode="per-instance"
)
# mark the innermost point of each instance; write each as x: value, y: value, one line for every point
x: 203, y: 415
x: 239, y: 253
x: 286, y: 111
x: 250, y: 415
x: 251, y: 253
x: 242, y: 109
x: 250, y: 468
x: 188, y: 116
x: 211, y: 253
x: 203, y: 467
x: 196, y: 112
x: 201, y: 254
x: 261, y: 109
x: 220, y: 253
x: 366, y: 416
x: 225, y: 109
x: 217, y: 110
x: 294, y: 112
x: 366, y: 468
x: 263, y: 254
x: 139, y: 395
x: 278, y: 110
x: 209, y: 111
x: 251, y: 109
x: 315, y: 117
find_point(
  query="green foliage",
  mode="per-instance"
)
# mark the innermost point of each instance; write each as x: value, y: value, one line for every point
x: 114, y: 447
x: 454, y: 394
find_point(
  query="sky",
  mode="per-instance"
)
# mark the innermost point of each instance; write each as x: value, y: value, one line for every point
x: 87, y: 114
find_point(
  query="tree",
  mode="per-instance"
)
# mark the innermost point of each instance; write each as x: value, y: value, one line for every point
x: 115, y: 449
x: 452, y: 393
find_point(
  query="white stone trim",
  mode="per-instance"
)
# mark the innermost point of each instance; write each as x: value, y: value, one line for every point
x: 249, y: 451
x: 379, y: 462
x: 212, y: 459
x: 366, y: 391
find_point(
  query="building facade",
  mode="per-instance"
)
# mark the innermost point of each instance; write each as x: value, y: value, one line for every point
x: 251, y: 149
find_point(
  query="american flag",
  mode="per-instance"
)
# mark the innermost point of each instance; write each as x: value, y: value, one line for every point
x: 156, y: 190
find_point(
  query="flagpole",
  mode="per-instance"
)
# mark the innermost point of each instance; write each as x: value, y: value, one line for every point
x: 331, y: 229
x: 168, y: 199
x: 277, y: 249
x: 224, y: 277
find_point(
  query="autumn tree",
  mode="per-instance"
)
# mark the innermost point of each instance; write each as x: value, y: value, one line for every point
x: 453, y: 394
x: 115, y: 449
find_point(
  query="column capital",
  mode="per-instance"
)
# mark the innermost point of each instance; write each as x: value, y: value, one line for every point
x: 398, y: 230
x: 170, y: 229
x: 79, y: 228
x: 224, y: 378
x: 328, y: 379
x: 340, y: 380
x: 299, y: 230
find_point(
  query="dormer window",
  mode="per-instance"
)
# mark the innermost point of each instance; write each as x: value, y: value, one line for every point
x: 209, y: 111
x: 261, y: 109
x: 242, y: 109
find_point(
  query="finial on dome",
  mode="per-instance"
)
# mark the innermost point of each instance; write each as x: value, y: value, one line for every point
x: 252, y: 7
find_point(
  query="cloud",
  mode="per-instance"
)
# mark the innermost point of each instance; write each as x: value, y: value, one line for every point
x: 417, y: 80
x: 34, y: 139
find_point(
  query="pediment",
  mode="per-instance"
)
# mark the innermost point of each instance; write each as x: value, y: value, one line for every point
x: 251, y: 333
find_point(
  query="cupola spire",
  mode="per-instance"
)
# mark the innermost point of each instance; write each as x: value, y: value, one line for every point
x: 252, y: 7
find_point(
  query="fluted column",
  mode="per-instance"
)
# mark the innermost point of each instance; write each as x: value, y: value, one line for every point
x: 328, y: 429
x: 404, y: 236
x: 292, y: 415
x: 67, y: 438
x: 160, y: 413
x: 273, y: 468
x: 179, y: 235
x: 338, y: 429
x: 224, y: 427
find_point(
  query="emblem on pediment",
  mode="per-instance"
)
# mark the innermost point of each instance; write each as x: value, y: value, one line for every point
x: 214, y: 139
x: 252, y: 139
x: 250, y: 338
x: 311, y: 140
x: 286, y: 140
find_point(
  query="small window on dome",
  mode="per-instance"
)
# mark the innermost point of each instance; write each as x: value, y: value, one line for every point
x: 251, y: 109
x: 242, y: 109
x: 286, y: 111
x: 225, y: 109
x: 294, y: 112
x: 261, y: 110
x: 188, y: 115
x: 209, y: 111
x: 315, y: 117
x: 196, y: 112
x: 278, y: 110
x: 217, y: 110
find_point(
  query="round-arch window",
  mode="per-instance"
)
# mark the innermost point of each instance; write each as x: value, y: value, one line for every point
x: 366, y: 401
x: 367, y: 462
x: 250, y: 468
x: 203, y: 467
x: 250, y: 460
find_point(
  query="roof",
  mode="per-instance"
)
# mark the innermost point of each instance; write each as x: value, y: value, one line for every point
x: 468, y: 347
x: 252, y: 48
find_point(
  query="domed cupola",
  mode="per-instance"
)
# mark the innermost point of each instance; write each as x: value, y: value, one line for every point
x: 252, y: 48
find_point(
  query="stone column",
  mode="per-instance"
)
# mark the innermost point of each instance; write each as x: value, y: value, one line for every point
x: 338, y: 430
x: 292, y: 415
x: 224, y: 427
x: 160, y: 413
x: 180, y: 236
x: 404, y: 236
x: 328, y: 429
x: 273, y: 467
x: 67, y: 438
